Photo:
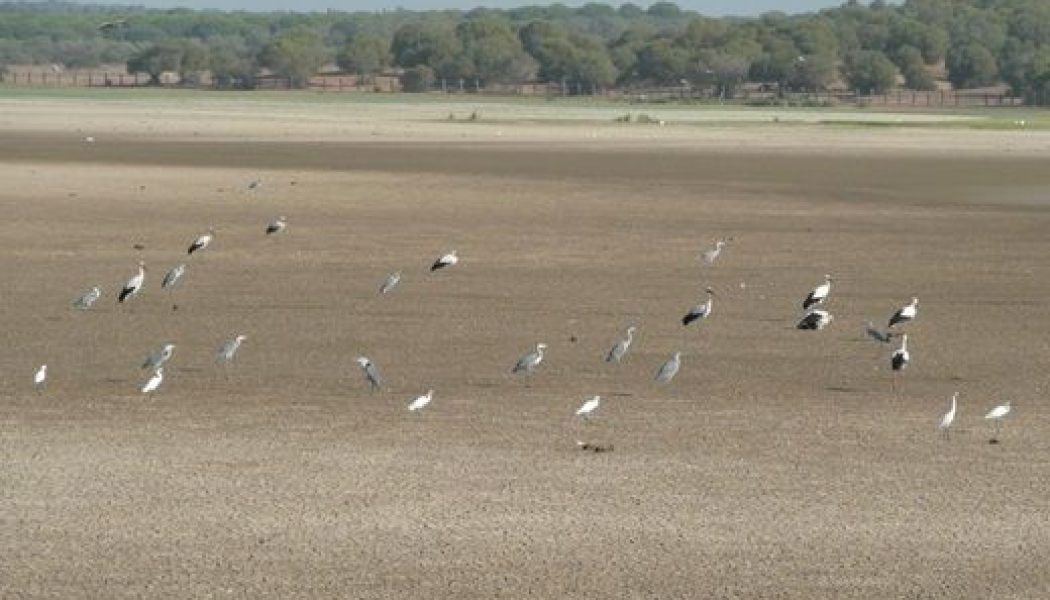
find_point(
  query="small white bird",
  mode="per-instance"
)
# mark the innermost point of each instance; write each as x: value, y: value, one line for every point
x: 949, y: 417
x: 154, y: 382
x: 447, y: 260
x: 134, y: 285
x: 530, y: 361
x: 815, y: 319
x: 700, y: 311
x: 390, y: 282
x: 277, y: 226
x: 370, y: 371
x: 997, y: 414
x: 202, y: 241
x: 87, y: 299
x: 620, y: 348
x: 40, y: 377
x: 229, y: 349
x: 589, y: 407
x: 905, y: 313
x: 173, y: 276
x: 421, y: 401
x: 819, y: 294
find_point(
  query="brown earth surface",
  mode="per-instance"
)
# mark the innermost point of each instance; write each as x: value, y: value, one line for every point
x: 779, y: 463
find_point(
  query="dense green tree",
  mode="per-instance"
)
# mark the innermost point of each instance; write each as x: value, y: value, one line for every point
x: 157, y: 59
x: 365, y: 54
x: 870, y: 72
x: 913, y: 67
x: 972, y: 65
x: 296, y: 54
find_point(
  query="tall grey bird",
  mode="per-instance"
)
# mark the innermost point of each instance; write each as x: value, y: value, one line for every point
x: 711, y: 255
x: 370, y: 371
x: 700, y: 311
x: 134, y: 285
x: 390, y: 282
x: 158, y: 357
x: 229, y: 348
x: 447, y: 260
x: 669, y: 369
x: 819, y: 294
x: 530, y: 361
x: 173, y: 276
x: 276, y: 226
x: 815, y: 319
x: 620, y: 348
x: 202, y: 241
x: 87, y: 299
x: 905, y: 313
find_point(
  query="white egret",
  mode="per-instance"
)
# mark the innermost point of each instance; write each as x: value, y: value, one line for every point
x: 421, y: 401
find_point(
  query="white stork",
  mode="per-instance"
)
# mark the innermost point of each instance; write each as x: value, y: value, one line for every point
x: 421, y: 401
x: 447, y: 260
x: 202, y: 241
x: 134, y: 285
x: 277, y: 226
x: 700, y: 311
x: 815, y: 319
x: 905, y: 313
x: 819, y: 294
x: 899, y: 359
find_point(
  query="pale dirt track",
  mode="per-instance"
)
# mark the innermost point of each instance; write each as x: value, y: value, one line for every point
x: 778, y: 463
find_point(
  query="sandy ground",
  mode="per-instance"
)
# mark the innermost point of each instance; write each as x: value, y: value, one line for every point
x: 778, y: 463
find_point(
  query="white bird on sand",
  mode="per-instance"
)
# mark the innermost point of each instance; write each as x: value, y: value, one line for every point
x: 173, y: 276
x: 530, y: 361
x: 40, y: 377
x: 815, y: 319
x: 669, y: 369
x: 700, y: 311
x: 998, y: 414
x: 905, y: 313
x: 134, y: 285
x: 154, y: 382
x: 390, y: 282
x: 711, y: 255
x: 202, y: 241
x: 87, y: 299
x: 949, y: 417
x: 158, y: 357
x: 229, y: 349
x: 620, y: 348
x: 370, y: 371
x: 589, y: 407
x: 819, y: 294
x: 447, y: 260
x: 277, y: 226
x: 901, y: 357
x: 421, y: 401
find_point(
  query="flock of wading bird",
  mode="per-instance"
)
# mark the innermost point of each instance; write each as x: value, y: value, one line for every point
x: 814, y: 318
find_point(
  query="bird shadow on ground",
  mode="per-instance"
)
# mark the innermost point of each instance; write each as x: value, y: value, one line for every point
x: 843, y: 389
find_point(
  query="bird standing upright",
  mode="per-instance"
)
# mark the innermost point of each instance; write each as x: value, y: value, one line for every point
x: 620, y: 348
x: 202, y: 241
x: 229, y: 349
x: 997, y: 414
x: 530, y: 361
x: 40, y: 378
x: 87, y: 299
x: 134, y: 285
x: 700, y: 311
x: 370, y: 372
x: 447, y: 260
x: 669, y: 369
x: 949, y: 417
x: 900, y: 359
x: 158, y: 357
x: 905, y: 313
x: 390, y: 282
x: 819, y: 294
x: 711, y: 255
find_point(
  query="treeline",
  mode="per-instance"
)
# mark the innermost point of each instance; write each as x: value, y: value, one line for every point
x: 867, y: 47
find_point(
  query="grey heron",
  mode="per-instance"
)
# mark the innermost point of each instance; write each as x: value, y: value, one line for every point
x: 172, y: 277
x: 229, y: 349
x: 370, y: 371
x: 819, y: 294
x: 669, y: 369
x: 530, y: 361
x: 879, y: 336
x: 900, y: 359
x: 158, y: 357
x: 711, y: 255
x: 87, y: 299
x: 390, y: 282
x: 620, y: 348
